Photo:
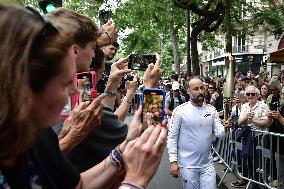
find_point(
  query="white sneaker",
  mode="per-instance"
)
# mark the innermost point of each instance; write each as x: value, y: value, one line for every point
x: 220, y: 161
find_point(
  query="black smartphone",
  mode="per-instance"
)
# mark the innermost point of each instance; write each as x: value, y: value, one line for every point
x: 153, y: 104
x: 274, y: 106
x: 141, y: 61
x: 104, y: 16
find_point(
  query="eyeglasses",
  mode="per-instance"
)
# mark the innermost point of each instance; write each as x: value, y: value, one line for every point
x: 210, y: 87
x: 250, y: 94
x: 48, y: 29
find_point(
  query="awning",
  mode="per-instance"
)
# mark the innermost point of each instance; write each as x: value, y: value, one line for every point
x: 277, y: 56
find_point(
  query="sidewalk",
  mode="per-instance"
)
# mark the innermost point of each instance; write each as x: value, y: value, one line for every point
x: 229, y: 178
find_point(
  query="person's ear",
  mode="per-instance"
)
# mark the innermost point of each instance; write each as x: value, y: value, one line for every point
x: 188, y: 91
x: 76, y: 49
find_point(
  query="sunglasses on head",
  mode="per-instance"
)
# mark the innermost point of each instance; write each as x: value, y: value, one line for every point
x: 250, y: 94
x: 48, y: 29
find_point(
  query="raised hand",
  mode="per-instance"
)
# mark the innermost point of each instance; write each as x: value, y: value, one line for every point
x: 153, y: 74
x: 83, y: 119
x: 142, y: 156
x: 108, y: 34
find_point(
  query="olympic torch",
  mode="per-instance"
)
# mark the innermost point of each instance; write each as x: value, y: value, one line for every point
x: 229, y: 88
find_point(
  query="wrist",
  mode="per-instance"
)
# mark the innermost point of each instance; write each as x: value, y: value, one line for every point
x: 111, y: 87
x: 110, y: 93
x: 131, y: 185
x: 138, y: 181
x: 128, y: 100
x: 122, y: 146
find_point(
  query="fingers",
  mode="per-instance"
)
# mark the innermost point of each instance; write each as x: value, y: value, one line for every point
x: 122, y: 72
x: 96, y: 102
x: 158, y: 60
x: 81, y: 106
x: 137, y: 115
x: 146, y: 134
x: 161, y: 140
x: 122, y: 60
x: 135, y: 79
x: 154, y: 136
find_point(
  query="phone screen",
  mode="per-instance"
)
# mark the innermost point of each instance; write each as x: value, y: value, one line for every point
x: 153, y: 106
x: 85, y: 86
x: 141, y: 62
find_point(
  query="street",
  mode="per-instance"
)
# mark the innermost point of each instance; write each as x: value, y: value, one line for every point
x: 162, y: 178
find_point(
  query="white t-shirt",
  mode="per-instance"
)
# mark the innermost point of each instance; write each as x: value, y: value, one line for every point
x: 190, y: 134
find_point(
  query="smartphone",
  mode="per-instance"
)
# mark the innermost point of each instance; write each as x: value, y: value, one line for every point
x: 85, y: 83
x: 274, y: 106
x: 141, y: 61
x: 153, y: 104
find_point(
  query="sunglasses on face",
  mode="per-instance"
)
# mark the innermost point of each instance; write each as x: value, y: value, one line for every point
x: 250, y: 94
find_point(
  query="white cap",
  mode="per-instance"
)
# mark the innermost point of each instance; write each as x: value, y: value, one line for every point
x: 175, y: 86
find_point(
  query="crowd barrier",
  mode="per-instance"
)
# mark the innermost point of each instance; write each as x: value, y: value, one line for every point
x: 254, y: 155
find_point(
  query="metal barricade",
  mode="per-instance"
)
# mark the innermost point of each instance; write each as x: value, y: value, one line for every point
x: 223, y: 148
x: 257, y: 157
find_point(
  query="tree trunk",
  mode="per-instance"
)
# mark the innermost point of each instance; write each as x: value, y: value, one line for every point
x: 174, y: 39
x: 194, y: 56
x: 228, y: 26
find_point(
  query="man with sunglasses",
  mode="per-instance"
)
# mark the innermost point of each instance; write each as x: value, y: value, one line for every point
x: 254, y: 114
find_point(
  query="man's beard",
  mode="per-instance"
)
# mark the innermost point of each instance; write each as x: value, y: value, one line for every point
x: 198, y: 100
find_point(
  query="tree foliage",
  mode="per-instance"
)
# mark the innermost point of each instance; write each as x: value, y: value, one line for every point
x: 151, y: 24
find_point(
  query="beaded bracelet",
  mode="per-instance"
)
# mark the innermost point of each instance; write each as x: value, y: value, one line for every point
x: 117, y: 160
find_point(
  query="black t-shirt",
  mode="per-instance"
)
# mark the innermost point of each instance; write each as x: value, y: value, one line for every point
x: 276, y: 127
x: 97, y: 146
x: 54, y: 168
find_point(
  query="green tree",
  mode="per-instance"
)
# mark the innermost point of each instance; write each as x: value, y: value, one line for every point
x: 153, y: 25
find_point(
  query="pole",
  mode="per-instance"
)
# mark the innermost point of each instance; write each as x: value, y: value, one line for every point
x: 188, y: 55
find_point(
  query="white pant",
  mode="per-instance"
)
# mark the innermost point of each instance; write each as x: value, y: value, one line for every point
x: 199, y: 178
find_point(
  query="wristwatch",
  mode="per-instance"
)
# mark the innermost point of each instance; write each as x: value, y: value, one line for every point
x: 127, y: 100
x: 110, y: 93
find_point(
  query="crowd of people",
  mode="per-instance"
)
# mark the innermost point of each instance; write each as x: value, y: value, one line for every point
x: 94, y: 147
x: 39, y: 58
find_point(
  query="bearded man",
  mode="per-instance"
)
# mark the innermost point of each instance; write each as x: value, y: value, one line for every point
x: 190, y: 138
